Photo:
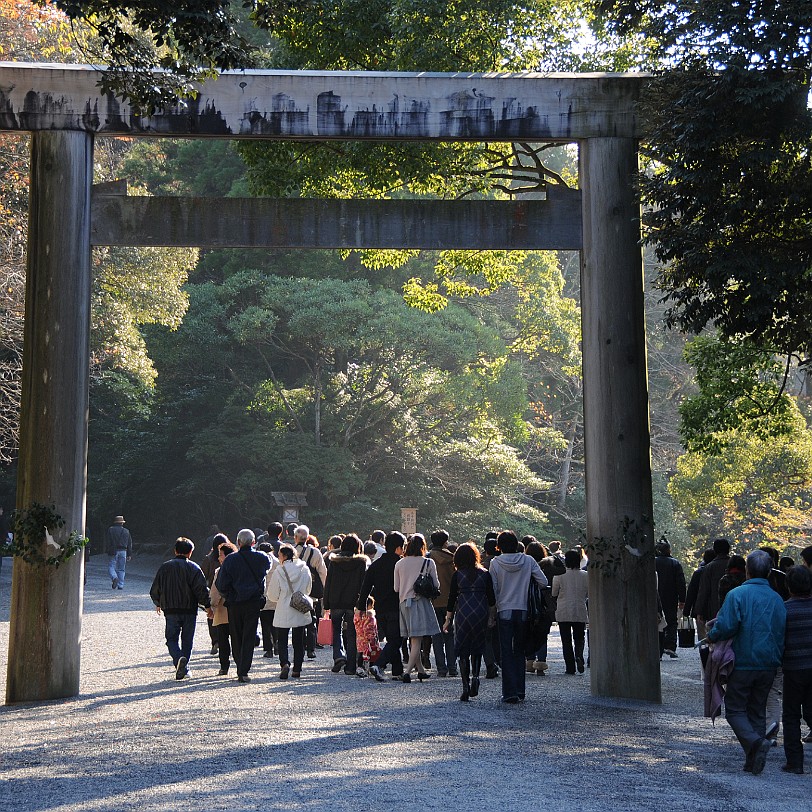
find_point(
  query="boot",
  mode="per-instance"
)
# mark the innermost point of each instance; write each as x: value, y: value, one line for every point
x: 476, y: 664
x: 465, y: 673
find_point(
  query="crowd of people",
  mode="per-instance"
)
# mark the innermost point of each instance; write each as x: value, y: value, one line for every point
x: 385, y: 603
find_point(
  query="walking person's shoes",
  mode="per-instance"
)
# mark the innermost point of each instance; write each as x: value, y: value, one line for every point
x: 283, y: 674
x: 474, y: 687
x: 759, y: 751
x: 244, y: 678
x: 213, y: 649
x: 772, y: 731
x: 268, y: 654
x: 579, y: 664
x: 791, y: 768
x: 376, y: 672
x: 338, y: 665
x: 180, y: 669
x: 222, y: 672
x: 540, y: 666
x: 115, y: 583
x: 452, y: 672
x: 311, y: 655
x: 360, y: 672
x: 672, y: 654
x: 491, y: 672
x: 296, y: 674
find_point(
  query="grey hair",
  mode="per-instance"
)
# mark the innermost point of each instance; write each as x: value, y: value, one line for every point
x: 759, y: 564
x: 302, y: 528
x: 245, y: 537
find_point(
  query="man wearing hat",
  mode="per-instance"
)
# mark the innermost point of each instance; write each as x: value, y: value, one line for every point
x: 118, y: 544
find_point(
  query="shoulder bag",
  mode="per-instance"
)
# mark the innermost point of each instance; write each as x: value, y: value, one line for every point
x: 298, y: 600
x: 424, y: 586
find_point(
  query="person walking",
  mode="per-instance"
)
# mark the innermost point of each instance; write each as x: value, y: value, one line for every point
x: 707, y: 599
x: 753, y: 617
x: 341, y: 589
x: 443, y: 643
x: 470, y: 608
x: 292, y: 575
x: 671, y: 589
x: 118, y: 544
x: 797, y: 666
x: 219, y: 619
x: 417, y: 616
x: 307, y: 548
x: 241, y: 580
x: 571, y: 591
x: 178, y: 589
x: 511, y: 572
x: 379, y: 582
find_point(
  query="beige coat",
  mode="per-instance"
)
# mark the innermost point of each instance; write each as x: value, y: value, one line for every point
x: 220, y: 610
x: 571, y: 589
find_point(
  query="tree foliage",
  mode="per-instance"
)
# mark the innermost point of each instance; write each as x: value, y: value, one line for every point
x: 730, y: 131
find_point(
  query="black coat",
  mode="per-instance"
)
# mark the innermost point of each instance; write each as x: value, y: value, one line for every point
x: 344, y: 578
x: 179, y: 587
x: 379, y: 582
x: 670, y: 584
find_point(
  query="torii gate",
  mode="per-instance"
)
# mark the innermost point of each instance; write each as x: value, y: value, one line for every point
x: 63, y: 108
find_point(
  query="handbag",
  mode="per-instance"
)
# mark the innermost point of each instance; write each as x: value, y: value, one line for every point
x: 298, y: 600
x: 686, y: 632
x: 424, y: 586
x: 325, y: 633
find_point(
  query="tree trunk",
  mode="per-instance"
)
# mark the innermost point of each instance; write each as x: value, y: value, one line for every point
x: 46, y: 603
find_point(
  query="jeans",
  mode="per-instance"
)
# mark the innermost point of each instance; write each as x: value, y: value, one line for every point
x: 350, y: 652
x: 746, y: 705
x: 243, y: 618
x: 180, y: 627
x: 444, y: 655
x: 797, y: 703
x: 389, y: 628
x: 298, y: 646
x: 572, y: 633
x: 116, y: 567
x: 511, y: 644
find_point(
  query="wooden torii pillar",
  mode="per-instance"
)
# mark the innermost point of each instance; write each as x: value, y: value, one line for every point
x: 64, y: 109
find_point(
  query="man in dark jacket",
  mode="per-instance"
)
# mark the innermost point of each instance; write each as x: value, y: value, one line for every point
x: 671, y: 588
x: 692, y: 592
x: 341, y: 589
x: 118, y: 544
x: 178, y: 589
x: 379, y: 582
x: 707, y: 601
x: 241, y: 582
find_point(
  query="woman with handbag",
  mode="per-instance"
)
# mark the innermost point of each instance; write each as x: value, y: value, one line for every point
x: 470, y: 601
x: 414, y: 577
x: 289, y: 581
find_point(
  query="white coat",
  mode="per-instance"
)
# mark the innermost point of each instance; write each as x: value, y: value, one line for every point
x: 285, y: 616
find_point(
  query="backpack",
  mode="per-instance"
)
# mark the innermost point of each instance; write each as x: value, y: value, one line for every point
x: 317, y: 590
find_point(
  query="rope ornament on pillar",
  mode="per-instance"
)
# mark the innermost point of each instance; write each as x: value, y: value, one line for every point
x: 34, y: 528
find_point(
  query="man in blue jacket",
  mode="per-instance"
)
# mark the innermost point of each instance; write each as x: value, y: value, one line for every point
x: 753, y: 616
x: 241, y: 581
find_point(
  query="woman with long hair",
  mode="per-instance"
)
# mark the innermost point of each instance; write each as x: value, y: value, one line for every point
x: 417, y: 616
x: 470, y: 599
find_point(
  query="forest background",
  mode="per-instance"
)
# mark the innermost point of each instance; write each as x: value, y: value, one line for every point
x: 372, y: 381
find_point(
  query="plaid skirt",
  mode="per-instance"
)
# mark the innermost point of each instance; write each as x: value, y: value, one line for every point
x: 419, y: 619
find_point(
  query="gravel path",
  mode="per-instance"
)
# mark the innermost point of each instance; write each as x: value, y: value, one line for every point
x: 137, y: 739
